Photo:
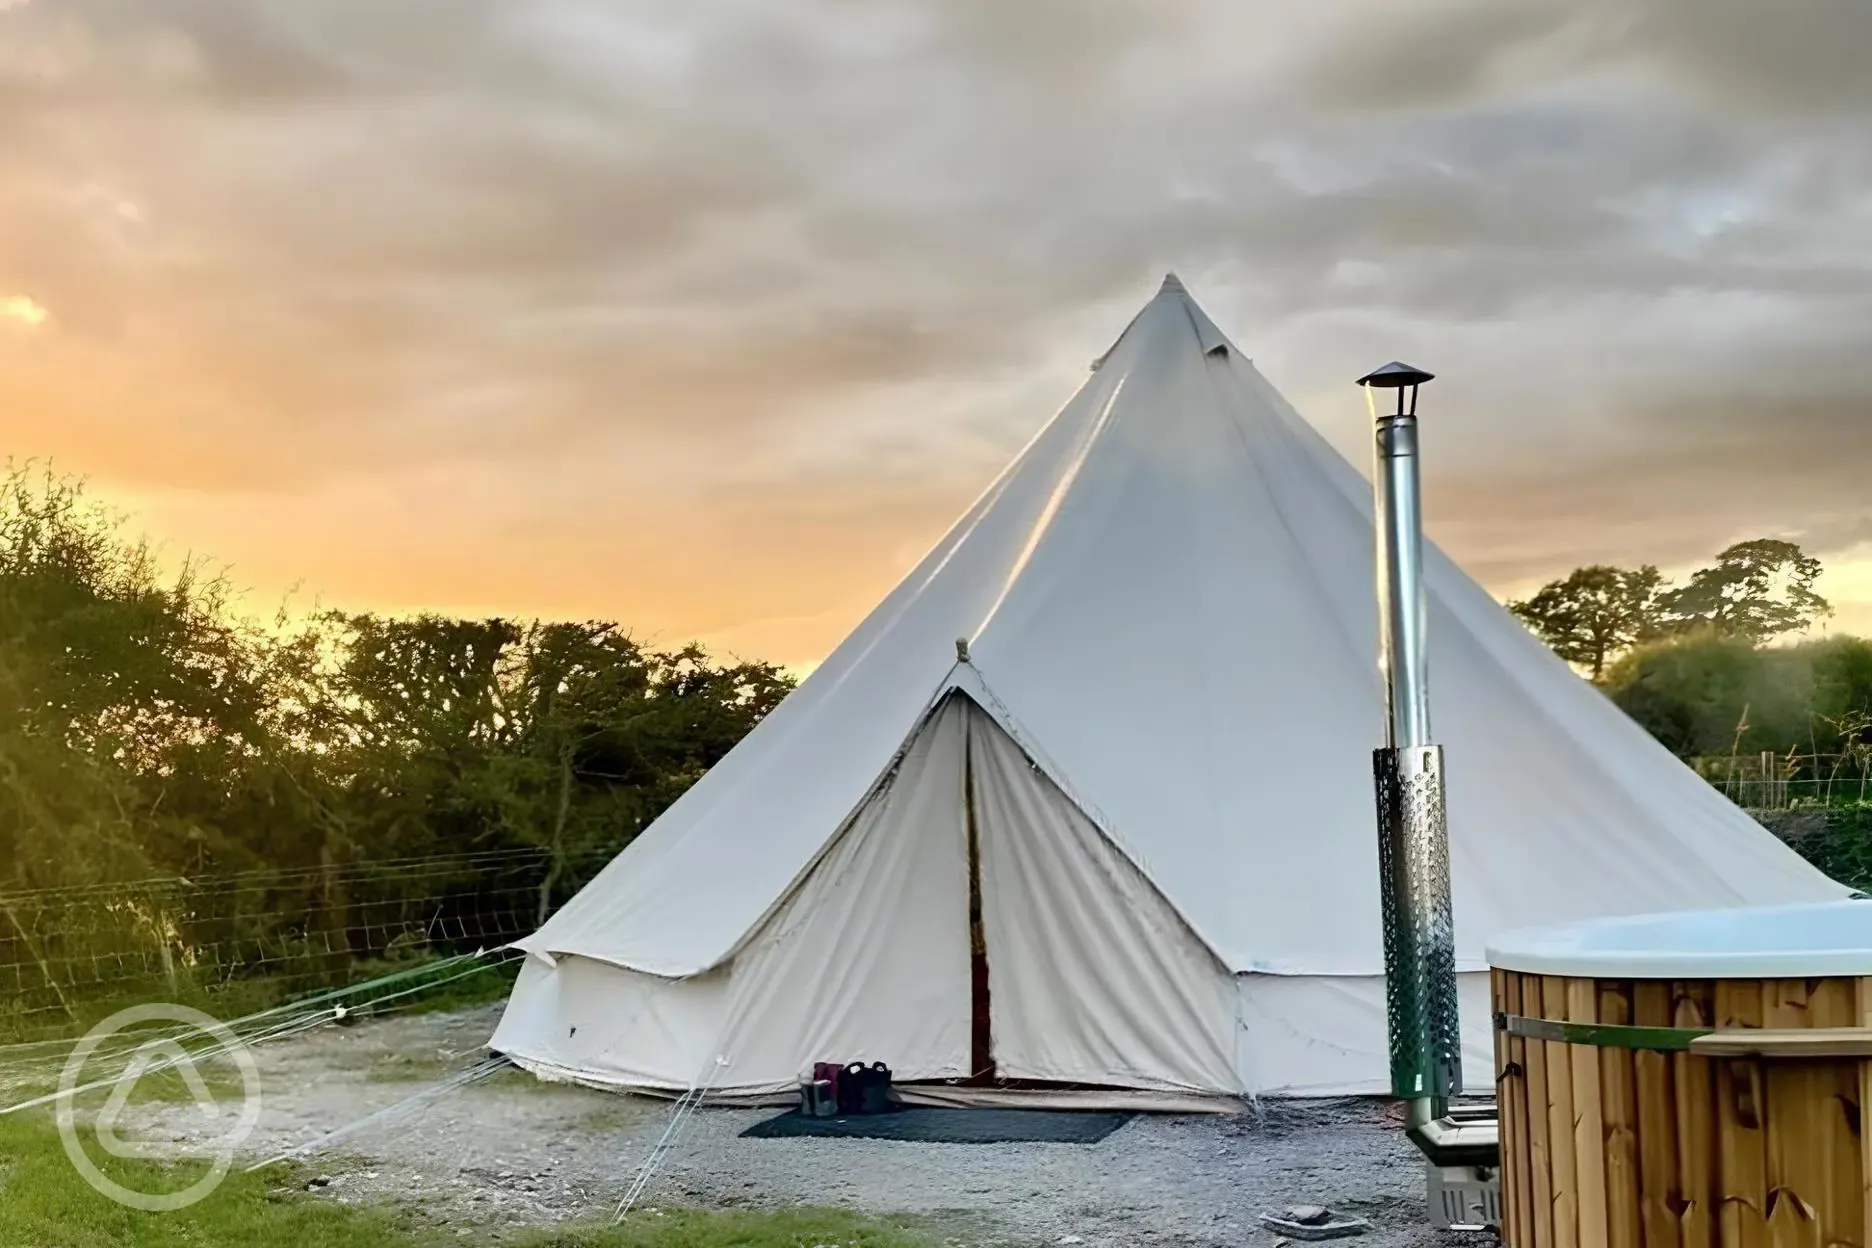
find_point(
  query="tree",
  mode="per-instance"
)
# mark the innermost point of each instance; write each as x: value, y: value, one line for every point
x: 1755, y: 590
x: 1594, y: 613
x: 352, y: 780
x: 113, y: 679
x: 609, y: 734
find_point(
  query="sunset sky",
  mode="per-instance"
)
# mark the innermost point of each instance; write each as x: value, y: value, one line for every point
x: 709, y: 317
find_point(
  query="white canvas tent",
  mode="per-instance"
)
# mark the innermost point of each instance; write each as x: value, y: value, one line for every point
x: 1149, y: 776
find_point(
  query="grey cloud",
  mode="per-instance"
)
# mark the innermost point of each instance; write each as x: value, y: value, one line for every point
x: 1394, y: 55
x: 1673, y: 484
x: 1808, y: 54
x: 1800, y: 56
x: 363, y: 235
x: 1840, y: 533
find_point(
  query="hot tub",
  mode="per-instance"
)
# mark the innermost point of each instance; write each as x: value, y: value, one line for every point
x: 1691, y: 1080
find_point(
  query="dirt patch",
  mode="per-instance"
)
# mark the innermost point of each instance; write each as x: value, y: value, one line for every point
x: 512, y: 1152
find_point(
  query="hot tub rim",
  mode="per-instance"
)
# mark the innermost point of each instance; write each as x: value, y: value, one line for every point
x: 1555, y: 950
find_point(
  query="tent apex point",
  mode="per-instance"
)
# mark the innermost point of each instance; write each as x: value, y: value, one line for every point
x: 1173, y: 282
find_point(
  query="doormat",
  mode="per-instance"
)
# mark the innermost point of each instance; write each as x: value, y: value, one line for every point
x: 928, y: 1125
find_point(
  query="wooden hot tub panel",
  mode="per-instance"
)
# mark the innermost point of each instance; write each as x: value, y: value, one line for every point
x: 1633, y: 1140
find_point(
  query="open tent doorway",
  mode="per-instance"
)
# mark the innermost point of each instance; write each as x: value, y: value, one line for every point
x: 1094, y: 979
x: 969, y: 926
x: 968, y: 866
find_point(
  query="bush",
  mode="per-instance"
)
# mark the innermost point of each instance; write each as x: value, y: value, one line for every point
x: 1836, y: 839
x: 1708, y: 695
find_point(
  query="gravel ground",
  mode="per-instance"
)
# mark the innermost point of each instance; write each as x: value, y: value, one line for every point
x: 512, y: 1152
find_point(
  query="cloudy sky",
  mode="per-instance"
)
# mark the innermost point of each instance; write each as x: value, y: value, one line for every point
x: 709, y: 317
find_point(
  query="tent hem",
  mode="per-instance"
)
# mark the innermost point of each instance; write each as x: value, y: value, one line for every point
x: 619, y: 962
x: 1139, y: 1100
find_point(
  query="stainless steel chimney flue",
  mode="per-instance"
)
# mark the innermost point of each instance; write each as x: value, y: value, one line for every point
x: 1461, y: 1147
x: 1398, y: 508
x: 1413, y: 843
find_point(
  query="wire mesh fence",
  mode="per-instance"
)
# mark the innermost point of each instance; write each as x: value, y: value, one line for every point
x: 303, y: 927
x: 298, y: 927
x: 1773, y: 781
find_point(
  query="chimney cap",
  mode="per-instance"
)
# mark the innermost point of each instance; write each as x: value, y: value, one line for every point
x: 1395, y: 375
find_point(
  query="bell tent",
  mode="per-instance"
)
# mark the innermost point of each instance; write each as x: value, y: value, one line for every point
x: 1086, y: 804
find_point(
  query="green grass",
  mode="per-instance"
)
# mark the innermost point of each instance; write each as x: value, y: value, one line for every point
x: 31, y: 1057
x: 241, y: 997
x: 793, y: 1228
x: 482, y: 988
x: 84, y: 1009
x: 220, y: 1077
x: 626, y: 1112
x: 44, y: 1203
x: 423, y: 1067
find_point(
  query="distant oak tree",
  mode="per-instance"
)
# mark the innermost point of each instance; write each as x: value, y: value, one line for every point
x: 1595, y: 613
x: 1754, y: 592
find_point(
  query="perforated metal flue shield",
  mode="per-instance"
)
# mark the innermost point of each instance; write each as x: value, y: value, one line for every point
x: 1419, y: 926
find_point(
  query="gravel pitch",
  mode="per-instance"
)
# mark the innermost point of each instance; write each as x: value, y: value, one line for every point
x: 511, y: 1152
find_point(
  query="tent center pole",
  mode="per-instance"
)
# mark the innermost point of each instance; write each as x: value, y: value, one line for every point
x: 981, y: 1035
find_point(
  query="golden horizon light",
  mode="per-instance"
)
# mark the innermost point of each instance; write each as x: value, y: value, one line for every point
x: 23, y: 309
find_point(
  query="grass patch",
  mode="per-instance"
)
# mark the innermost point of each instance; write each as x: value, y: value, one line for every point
x: 492, y: 986
x: 627, y: 1112
x: 219, y: 1076
x: 792, y: 1228
x: 404, y: 1068
x: 45, y: 1203
x: 30, y: 1067
x: 453, y: 989
x: 86, y: 1009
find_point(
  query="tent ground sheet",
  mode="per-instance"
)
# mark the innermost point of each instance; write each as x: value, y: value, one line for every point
x: 928, y: 1125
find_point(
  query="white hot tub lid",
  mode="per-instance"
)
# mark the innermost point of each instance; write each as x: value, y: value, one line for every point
x: 1755, y: 942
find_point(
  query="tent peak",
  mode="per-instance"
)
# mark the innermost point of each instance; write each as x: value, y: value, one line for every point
x: 1210, y: 338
